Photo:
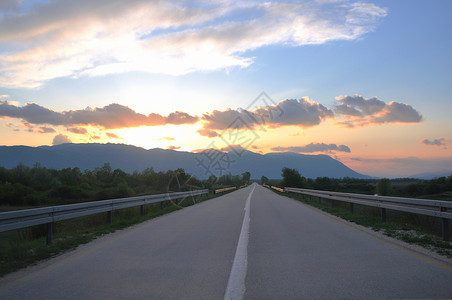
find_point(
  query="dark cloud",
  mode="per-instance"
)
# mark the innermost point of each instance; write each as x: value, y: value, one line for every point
x: 61, y: 139
x: 302, y: 113
x: 399, y: 112
x: 43, y: 129
x: 31, y: 113
x: 436, y: 142
x: 314, y: 147
x: 78, y: 130
x: 112, y: 116
x: 359, y: 111
x: 359, y: 106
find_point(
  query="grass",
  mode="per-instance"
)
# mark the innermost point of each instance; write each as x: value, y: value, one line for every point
x: 411, y: 228
x: 24, y: 247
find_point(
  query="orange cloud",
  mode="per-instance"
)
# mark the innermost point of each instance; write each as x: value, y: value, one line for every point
x: 112, y: 116
x: 112, y: 135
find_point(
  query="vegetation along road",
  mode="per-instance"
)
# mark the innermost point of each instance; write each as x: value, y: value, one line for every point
x: 251, y: 244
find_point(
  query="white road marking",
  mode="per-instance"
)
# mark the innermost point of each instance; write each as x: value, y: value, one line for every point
x: 236, y: 283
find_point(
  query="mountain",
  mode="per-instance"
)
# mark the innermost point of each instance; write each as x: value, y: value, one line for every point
x: 432, y: 175
x: 201, y: 165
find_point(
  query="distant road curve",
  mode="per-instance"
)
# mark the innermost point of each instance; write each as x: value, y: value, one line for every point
x: 290, y: 251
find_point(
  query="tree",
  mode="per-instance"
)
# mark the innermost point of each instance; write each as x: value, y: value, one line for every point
x: 384, y: 187
x: 323, y: 183
x: 104, y: 174
x: 292, y: 178
x: 264, y: 180
x: 246, y: 177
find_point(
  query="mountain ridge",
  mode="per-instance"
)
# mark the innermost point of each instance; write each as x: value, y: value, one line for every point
x: 130, y: 158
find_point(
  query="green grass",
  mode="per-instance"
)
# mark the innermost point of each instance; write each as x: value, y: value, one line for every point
x: 24, y: 247
x: 411, y: 228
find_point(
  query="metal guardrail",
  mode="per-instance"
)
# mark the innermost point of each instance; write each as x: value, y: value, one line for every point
x: 47, y: 215
x: 225, y: 189
x: 434, y: 208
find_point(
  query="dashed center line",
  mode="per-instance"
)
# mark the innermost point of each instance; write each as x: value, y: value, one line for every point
x: 236, y: 283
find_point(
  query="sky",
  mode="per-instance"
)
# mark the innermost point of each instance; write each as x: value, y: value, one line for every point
x: 366, y: 82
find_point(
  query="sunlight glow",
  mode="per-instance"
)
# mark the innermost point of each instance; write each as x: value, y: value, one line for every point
x: 183, y: 136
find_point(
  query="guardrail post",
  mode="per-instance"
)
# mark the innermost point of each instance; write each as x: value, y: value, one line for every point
x: 320, y: 200
x: 445, y: 228
x: 109, y: 217
x: 49, y: 233
x: 383, y: 214
x: 332, y: 203
x: 142, y: 210
x: 352, y: 207
x: 162, y: 205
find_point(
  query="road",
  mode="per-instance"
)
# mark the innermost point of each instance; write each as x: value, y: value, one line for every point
x: 277, y: 248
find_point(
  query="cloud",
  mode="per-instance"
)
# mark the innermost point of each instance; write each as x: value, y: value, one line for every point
x: 91, y: 38
x: 31, y: 113
x: 60, y: 139
x: 43, y: 129
x: 358, y: 111
x: 302, y: 113
x: 78, y: 130
x: 436, y: 142
x: 8, y: 5
x: 314, y: 147
x: 178, y: 118
x: 112, y: 116
x: 112, y: 135
x: 171, y: 147
x: 207, y: 132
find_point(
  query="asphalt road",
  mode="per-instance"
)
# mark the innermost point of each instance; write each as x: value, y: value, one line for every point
x: 276, y: 249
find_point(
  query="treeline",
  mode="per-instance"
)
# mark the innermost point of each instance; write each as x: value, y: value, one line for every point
x: 401, y: 187
x: 39, y: 186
